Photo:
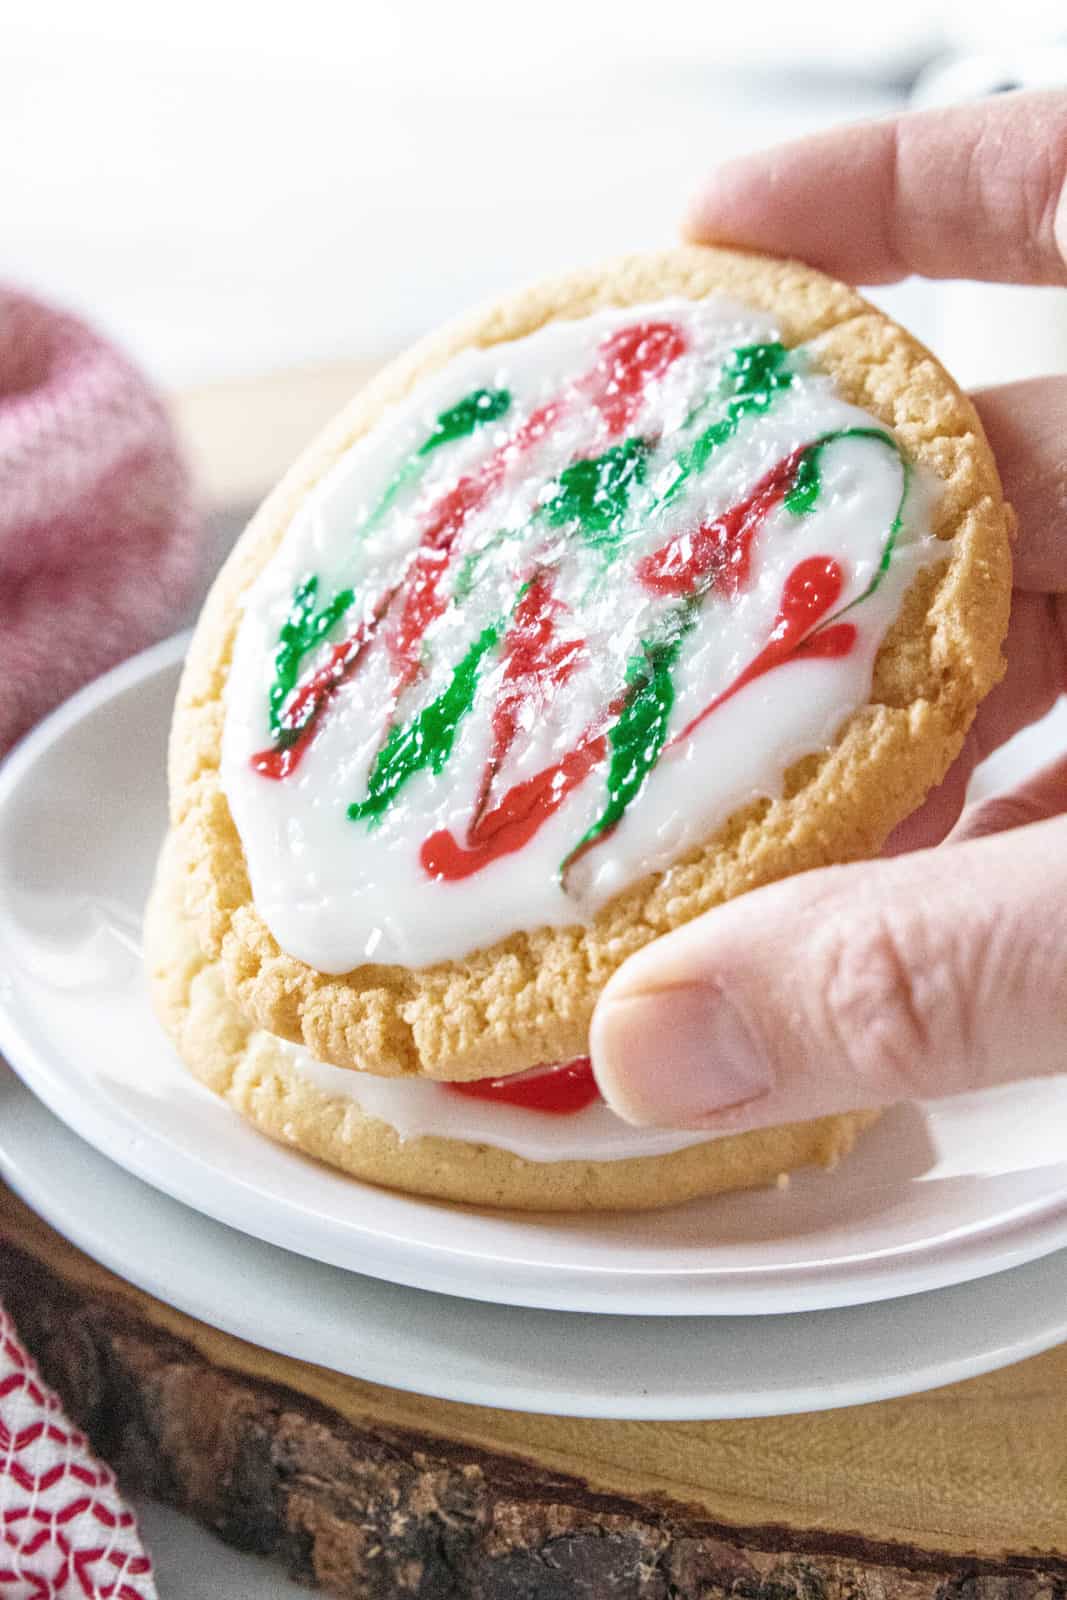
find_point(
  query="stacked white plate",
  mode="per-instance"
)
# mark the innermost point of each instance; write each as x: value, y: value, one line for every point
x: 937, y: 1251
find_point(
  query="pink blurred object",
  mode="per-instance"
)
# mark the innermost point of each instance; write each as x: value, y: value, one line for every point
x: 99, y: 547
x: 98, y: 536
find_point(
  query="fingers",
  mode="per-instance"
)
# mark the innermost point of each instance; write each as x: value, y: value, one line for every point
x: 854, y: 987
x: 1027, y: 428
x: 940, y: 812
x: 1036, y: 676
x: 1042, y: 796
x: 973, y: 191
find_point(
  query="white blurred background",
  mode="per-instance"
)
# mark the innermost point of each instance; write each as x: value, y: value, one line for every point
x: 234, y: 189
x: 261, y: 201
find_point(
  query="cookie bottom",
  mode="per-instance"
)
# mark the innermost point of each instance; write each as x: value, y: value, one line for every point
x: 260, y: 1077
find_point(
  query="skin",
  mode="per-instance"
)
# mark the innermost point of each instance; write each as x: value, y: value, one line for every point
x: 943, y: 966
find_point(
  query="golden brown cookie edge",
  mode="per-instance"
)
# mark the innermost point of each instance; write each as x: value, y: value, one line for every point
x: 253, y: 1073
x: 529, y: 998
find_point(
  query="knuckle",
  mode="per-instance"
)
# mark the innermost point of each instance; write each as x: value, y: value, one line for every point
x: 896, y: 1002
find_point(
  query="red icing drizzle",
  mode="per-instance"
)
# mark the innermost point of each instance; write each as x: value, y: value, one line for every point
x: 424, y: 597
x: 810, y: 591
x: 305, y: 709
x: 629, y: 361
x: 559, y: 1090
x: 626, y: 364
x: 615, y: 385
x: 719, y: 552
x: 536, y: 664
x: 513, y: 823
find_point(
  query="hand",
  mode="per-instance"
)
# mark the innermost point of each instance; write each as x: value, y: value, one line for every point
x: 929, y: 973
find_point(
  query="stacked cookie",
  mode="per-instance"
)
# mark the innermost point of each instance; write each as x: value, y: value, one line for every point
x: 636, y: 591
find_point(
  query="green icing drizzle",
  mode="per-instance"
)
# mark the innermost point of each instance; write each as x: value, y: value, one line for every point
x: 594, y: 494
x: 638, y: 735
x: 749, y: 382
x: 302, y: 630
x: 807, y: 484
x: 458, y: 422
x: 753, y: 373
x: 473, y: 411
x: 468, y: 567
x: 465, y: 575
x: 592, y: 499
x: 427, y: 740
x: 803, y: 495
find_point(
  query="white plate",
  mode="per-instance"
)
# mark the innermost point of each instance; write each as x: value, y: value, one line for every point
x: 190, y: 1563
x: 564, y: 1363
x: 934, y: 1196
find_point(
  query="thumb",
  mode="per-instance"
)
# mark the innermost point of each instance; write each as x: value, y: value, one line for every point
x: 853, y: 987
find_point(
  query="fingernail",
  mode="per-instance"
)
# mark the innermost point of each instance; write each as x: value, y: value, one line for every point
x: 675, y: 1057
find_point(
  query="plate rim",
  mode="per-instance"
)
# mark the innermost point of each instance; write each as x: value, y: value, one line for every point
x: 894, y: 1379
x: 746, y: 1289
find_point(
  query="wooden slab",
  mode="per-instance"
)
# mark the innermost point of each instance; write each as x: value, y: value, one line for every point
x: 956, y: 1495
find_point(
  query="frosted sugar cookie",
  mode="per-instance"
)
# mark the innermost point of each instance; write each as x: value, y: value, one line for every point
x: 540, y: 1141
x: 633, y: 592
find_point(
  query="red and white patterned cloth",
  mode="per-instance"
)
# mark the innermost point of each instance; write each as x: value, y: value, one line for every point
x: 64, y: 1531
x: 98, y: 549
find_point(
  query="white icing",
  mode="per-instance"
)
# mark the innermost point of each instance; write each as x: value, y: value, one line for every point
x: 417, y: 1108
x: 335, y: 892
